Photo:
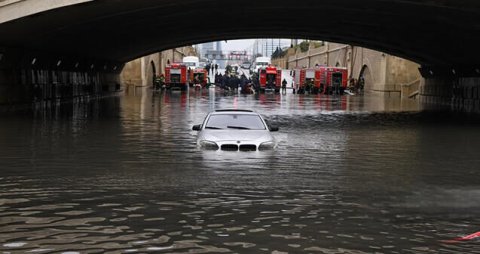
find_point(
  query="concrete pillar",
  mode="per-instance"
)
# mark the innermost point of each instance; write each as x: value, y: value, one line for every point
x: 327, y: 45
x: 143, y: 71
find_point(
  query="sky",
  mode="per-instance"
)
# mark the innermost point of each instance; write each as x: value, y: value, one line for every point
x: 237, y: 44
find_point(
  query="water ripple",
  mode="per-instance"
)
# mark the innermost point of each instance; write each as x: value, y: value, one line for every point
x: 350, y: 175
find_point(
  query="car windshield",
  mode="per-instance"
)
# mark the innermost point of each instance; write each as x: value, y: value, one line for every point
x: 235, y: 121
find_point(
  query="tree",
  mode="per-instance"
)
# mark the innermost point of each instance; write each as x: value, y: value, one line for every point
x: 304, y: 46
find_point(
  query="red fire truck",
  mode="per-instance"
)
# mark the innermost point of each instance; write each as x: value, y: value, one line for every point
x: 307, y: 80
x: 270, y: 77
x: 333, y: 79
x: 199, y: 77
x: 176, y: 76
x: 327, y: 80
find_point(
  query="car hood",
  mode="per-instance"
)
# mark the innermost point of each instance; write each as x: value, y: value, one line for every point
x: 237, y: 135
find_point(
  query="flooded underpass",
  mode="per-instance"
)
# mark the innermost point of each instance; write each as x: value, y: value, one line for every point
x: 351, y: 174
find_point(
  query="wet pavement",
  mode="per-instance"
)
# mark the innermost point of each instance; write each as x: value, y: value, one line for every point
x: 351, y: 174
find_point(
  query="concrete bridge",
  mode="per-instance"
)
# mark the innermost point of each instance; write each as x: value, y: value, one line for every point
x: 97, y: 37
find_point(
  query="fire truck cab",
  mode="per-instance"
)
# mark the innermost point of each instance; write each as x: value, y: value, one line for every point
x: 176, y: 76
x: 199, y: 77
x: 270, y: 78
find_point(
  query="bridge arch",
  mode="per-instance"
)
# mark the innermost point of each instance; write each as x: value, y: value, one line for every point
x: 366, y: 77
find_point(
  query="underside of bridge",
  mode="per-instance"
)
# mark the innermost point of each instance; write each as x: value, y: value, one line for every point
x: 434, y: 32
x: 442, y: 35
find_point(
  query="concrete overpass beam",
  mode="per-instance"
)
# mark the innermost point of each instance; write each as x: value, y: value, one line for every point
x: 14, y: 9
x: 455, y: 87
x: 27, y: 76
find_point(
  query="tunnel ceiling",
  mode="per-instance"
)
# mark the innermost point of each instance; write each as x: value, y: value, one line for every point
x: 433, y: 32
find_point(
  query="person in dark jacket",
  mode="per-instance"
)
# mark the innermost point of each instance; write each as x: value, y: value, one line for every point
x: 284, y: 86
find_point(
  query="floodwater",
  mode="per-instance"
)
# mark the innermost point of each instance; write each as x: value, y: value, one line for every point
x: 352, y: 174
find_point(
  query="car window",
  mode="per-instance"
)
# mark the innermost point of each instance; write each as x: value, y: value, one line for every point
x: 235, y: 121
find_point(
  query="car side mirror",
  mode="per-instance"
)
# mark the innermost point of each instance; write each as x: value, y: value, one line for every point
x: 274, y: 128
x: 197, y: 127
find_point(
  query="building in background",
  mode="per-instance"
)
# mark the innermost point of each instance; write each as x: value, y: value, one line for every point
x: 207, y: 48
x: 266, y: 47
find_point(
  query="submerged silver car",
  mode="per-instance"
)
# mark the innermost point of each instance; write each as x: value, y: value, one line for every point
x: 235, y: 130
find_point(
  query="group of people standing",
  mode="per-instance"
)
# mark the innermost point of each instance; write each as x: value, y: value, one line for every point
x: 159, y: 82
x: 357, y: 85
x: 211, y: 68
x: 233, y: 82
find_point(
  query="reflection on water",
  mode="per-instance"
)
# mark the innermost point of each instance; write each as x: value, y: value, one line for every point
x: 350, y: 175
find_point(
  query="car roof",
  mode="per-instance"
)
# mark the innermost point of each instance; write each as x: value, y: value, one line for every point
x: 234, y: 111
